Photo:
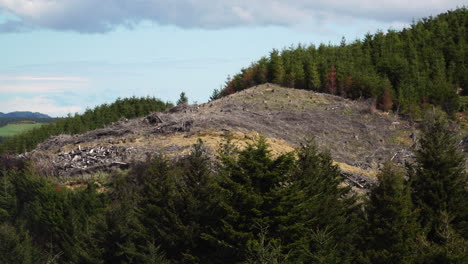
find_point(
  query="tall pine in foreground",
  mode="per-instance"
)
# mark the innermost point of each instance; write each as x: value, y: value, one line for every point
x: 391, y: 231
x: 317, y: 220
x: 200, y: 199
x: 251, y: 183
x: 439, y: 185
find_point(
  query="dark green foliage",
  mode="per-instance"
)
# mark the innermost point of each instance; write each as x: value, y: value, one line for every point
x: 390, y: 235
x: 264, y: 250
x: 423, y: 64
x: 161, y: 205
x: 183, y: 100
x: 246, y: 207
x: 124, y: 240
x: 317, y: 219
x: 439, y: 179
x: 60, y: 221
x: 15, y: 248
x: 251, y: 183
x: 7, y: 196
x: 215, y: 95
x: 171, y: 206
x: 201, y: 205
x: 79, y: 123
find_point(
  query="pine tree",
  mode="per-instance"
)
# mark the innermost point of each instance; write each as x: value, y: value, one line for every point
x: 439, y: 178
x: 161, y: 205
x: 317, y: 220
x: 250, y: 181
x: 15, y: 248
x: 183, y: 100
x: 391, y: 225
x: 261, y: 71
x: 312, y: 76
x: 201, y: 210
x: 125, y: 238
x: 7, y: 196
x: 215, y: 95
x: 275, y: 68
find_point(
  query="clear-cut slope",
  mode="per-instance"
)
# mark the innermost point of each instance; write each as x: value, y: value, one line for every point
x: 358, y: 137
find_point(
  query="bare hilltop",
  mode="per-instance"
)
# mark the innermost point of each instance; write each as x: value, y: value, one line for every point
x: 359, y: 137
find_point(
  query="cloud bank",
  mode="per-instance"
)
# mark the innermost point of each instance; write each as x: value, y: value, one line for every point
x: 40, y: 104
x: 91, y: 16
x: 41, y: 84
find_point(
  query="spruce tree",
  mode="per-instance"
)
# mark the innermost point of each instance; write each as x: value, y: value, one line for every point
x: 391, y: 225
x: 275, y: 68
x: 16, y: 248
x: 201, y: 211
x: 183, y: 100
x: 439, y: 178
x: 317, y: 222
x: 161, y: 206
x: 250, y: 181
x: 7, y: 196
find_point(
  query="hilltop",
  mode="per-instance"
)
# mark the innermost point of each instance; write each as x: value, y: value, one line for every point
x: 359, y: 137
x: 24, y: 114
x: 238, y: 180
x: 403, y: 71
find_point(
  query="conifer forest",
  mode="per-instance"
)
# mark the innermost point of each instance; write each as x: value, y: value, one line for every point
x: 250, y: 204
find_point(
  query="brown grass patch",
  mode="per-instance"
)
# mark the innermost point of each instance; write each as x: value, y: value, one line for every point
x: 356, y: 170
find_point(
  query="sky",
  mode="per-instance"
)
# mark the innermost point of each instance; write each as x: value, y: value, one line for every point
x: 64, y: 56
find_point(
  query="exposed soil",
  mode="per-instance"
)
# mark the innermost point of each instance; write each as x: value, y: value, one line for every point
x: 358, y: 137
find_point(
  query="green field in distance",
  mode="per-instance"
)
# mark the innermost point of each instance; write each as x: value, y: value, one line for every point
x: 14, y: 129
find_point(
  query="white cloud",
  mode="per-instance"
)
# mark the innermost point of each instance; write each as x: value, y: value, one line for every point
x: 93, y: 16
x: 41, y: 84
x: 40, y: 104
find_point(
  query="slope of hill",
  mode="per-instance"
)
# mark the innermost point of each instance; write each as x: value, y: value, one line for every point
x: 91, y: 119
x: 402, y: 70
x: 358, y: 137
x: 24, y: 114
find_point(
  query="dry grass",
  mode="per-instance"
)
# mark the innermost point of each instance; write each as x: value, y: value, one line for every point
x: 212, y: 139
x: 348, y: 129
x: 270, y: 97
x: 356, y: 170
x: 403, y: 139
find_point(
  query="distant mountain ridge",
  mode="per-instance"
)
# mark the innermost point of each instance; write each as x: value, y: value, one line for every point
x: 24, y: 114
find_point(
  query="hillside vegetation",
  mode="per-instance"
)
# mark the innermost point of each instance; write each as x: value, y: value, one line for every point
x: 80, y: 123
x: 263, y: 174
x: 8, y: 120
x: 402, y: 71
x: 358, y: 137
x: 245, y: 206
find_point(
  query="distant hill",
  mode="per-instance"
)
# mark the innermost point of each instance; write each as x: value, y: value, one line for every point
x: 358, y: 137
x: 100, y: 116
x: 401, y: 70
x: 24, y: 114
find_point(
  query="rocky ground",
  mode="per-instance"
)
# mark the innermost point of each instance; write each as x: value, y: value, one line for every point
x: 359, y: 137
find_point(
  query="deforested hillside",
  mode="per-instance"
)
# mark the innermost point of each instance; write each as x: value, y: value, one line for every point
x: 402, y: 70
x: 365, y: 162
x: 91, y: 119
x: 237, y: 181
x: 359, y: 137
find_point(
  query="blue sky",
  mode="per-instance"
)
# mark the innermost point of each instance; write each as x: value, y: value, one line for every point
x: 63, y: 56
